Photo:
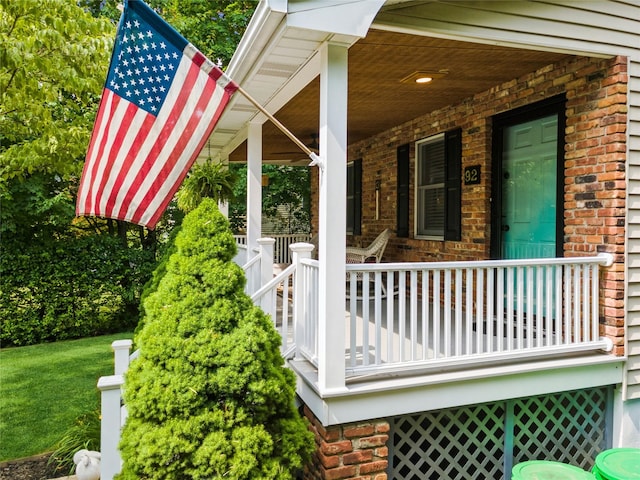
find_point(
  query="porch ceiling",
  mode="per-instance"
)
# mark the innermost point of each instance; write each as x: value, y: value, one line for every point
x: 378, y: 99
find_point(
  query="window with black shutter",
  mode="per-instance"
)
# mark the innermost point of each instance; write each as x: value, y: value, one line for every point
x: 402, y: 191
x: 354, y: 197
x: 437, y: 185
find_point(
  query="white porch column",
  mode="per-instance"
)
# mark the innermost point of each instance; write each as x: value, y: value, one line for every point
x: 332, y: 216
x: 224, y: 206
x: 254, y: 188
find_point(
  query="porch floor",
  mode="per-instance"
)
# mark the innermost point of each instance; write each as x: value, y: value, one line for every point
x: 393, y: 335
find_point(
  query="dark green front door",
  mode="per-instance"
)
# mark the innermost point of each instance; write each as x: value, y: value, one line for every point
x: 529, y: 185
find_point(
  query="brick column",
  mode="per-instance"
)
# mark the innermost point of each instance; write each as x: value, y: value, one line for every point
x: 355, y: 451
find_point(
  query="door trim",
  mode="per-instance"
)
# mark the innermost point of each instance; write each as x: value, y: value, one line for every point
x: 549, y: 106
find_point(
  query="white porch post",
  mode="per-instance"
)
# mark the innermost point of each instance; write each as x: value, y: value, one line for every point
x: 332, y: 216
x: 254, y: 188
x: 224, y: 206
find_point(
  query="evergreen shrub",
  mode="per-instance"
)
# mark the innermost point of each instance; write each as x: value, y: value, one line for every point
x: 69, y: 288
x: 209, y: 396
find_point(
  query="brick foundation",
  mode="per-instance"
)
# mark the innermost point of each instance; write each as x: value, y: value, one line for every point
x: 349, y: 452
x: 595, y: 156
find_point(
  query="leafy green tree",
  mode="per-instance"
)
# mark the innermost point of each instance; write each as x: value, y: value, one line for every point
x: 288, y: 190
x: 53, y: 59
x: 209, y: 396
x: 213, y: 26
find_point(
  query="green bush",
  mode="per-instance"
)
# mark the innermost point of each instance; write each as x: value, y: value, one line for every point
x: 209, y: 396
x: 70, y: 288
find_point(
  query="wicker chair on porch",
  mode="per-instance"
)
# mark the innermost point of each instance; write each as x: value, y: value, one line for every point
x: 372, y: 253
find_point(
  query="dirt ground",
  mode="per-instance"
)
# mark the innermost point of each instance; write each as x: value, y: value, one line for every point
x: 31, y: 468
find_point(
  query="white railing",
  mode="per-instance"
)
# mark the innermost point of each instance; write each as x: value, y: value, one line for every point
x: 281, y: 251
x: 307, y: 322
x: 277, y: 299
x: 443, y: 314
x: 112, y: 412
x: 404, y: 317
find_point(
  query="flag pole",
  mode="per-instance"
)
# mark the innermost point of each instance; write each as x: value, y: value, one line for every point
x: 277, y: 123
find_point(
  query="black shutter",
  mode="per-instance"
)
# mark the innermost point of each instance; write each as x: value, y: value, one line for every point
x: 402, y: 191
x: 453, y: 185
x: 357, y: 197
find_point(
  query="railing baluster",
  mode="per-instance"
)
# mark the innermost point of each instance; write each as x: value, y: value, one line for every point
x: 426, y: 316
x: 365, y: 318
x: 491, y: 303
x: 500, y: 286
x: 458, y: 332
x: 378, y: 318
x: 402, y: 315
x: 510, y: 308
x: 353, y: 315
x: 594, y: 303
x: 520, y: 307
x: 390, y: 316
x: 479, y: 310
x: 538, y: 307
x: 529, y: 306
x: 469, y: 311
x: 447, y: 313
x: 436, y: 314
x: 567, y: 305
x: 413, y: 314
x: 579, y: 335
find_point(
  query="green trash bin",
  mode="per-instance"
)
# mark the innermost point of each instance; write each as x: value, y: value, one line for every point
x: 546, y: 470
x: 618, y: 464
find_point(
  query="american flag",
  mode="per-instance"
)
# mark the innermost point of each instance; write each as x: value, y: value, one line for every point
x: 161, y: 100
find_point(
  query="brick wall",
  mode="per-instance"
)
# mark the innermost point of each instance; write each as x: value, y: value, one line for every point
x: 350, y: 451
x: 595, y: 155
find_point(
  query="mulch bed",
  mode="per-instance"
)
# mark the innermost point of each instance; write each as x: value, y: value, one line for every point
x: 30, y: 468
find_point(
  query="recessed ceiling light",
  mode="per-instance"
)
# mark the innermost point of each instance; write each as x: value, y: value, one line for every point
x: 423, y: 76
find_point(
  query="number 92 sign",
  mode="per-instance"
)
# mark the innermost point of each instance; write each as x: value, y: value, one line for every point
x: 472, y: 175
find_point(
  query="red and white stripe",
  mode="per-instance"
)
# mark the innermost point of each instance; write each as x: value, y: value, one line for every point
x: 136, y: 161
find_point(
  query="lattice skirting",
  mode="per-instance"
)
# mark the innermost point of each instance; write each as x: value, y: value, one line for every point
x: 484, y: 441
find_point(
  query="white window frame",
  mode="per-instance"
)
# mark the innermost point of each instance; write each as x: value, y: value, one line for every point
x: 439, y: 138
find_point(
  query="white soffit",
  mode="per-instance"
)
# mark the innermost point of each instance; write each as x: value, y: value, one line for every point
x: 346, y: 17
x: 275, y: 58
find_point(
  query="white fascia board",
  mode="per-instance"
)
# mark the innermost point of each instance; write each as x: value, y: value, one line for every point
x: 346, y: 17
x: 408, y: 395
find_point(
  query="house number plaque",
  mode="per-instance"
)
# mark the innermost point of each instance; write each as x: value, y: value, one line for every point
x: 472, y: 175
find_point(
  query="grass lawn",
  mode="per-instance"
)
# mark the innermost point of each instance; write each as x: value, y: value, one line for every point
x: 43, y: 388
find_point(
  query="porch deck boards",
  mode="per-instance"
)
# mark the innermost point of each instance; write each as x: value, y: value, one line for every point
x: 403, y: 338
x: 425, y: 336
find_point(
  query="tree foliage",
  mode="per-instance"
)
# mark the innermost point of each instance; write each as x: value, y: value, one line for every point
x: 214, y: 26
x: 53, y: 61
x: 209, y: 396
x: 286, y: 200
x: 69, y: 288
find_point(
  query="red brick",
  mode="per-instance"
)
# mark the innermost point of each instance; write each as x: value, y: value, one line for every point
x: 340, y: 473
x: 359, y: 431
x: 374, y: 441
x: 359, y: 456
x: 379, y: 466
x: 335, y: 448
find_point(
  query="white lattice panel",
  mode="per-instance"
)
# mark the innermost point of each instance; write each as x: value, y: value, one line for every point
x: 569, y: 427
x: 480, y: 442
x: 465, y: 443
